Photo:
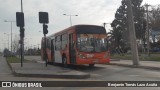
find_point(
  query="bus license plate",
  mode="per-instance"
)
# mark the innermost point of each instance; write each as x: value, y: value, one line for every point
x: 95, y: 61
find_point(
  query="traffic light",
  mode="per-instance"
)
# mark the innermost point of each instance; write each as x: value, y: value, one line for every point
x: 43, y: 17
x: 20, y: 41
x: 45, y: 29
x: 22, y: 32
x: 20, y: 19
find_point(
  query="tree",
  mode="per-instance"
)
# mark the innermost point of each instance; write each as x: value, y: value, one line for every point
x: 15, y: 43
x: 154, y: 17
x: 120, y: 23
x: 6, y: 52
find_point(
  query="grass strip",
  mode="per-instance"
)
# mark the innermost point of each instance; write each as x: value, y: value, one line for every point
x: 15, y: 60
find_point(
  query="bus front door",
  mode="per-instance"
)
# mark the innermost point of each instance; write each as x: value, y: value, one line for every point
x: 52, y: 50
x: 72, y: 52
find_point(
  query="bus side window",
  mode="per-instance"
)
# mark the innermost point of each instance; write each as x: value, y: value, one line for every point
x: 49, y: 44
x: 58, y: 45
x: 64, y: 41
x: 52, y: 45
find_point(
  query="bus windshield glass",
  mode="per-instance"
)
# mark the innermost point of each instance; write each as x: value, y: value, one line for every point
x: 92, y: 42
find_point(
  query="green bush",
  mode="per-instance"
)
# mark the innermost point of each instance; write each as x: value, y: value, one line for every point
x: 15, y: 60
x: 153, y: 57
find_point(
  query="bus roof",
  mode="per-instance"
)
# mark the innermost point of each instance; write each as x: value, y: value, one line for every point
x: 83, y: 29
x: 90, y: 29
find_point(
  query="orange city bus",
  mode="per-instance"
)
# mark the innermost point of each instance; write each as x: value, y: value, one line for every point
x: 79, y: 44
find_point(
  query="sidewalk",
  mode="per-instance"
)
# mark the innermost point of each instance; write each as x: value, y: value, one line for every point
x: 4, y: 68
x: 51, y: 71
x: 143, y: 64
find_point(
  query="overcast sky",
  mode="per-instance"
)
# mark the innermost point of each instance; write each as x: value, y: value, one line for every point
x: 89, y: 12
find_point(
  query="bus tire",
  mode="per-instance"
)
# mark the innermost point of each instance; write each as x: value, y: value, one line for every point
x: 45, y: 59
x: 91, y: 65
x: 64, y: 62
x: 42, y: 57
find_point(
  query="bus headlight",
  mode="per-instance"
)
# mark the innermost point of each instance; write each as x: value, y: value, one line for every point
x: 81, y: 56
x: 90, y: 55
x: 106, y: 55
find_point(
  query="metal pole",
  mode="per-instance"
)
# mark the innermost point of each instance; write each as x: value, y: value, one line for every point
x: 38, y: 46
x: 70, y: 20
x: 148, y: 44
x: 104, y: 24
x: 21, y: 6
x: 23, y: 48
x: 44, y: 50
x: 133, y: 42
x: 11, y: 33
x: 70, y: 16
x: 22, y: 39
x: 8, y: 41
x: 21, y: 53
x: 11, y: 38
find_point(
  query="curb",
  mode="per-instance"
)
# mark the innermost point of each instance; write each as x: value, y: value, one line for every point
x: 10, y: 66
x: 114, y: 59
x: 135, y: 66
x: 60, y: 76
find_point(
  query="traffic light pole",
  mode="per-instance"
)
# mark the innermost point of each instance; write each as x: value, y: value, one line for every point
x: 20, y: 23
x: 22, y: 44
x: 43, y: 19
x: 21, y: 55
x: 21, y: 47
x: 45, y: 53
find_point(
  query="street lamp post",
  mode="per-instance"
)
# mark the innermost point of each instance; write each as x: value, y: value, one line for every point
x: 11, y: 31
x: 29, y: 48
x: 8, y: 39
x: 70, y: 18
x: 104, y: 24
x: 148, y: 34
x: 38, y: 46
x: 25, y: 42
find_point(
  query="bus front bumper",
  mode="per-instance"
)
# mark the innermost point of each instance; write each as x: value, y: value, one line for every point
x: 92, y: 61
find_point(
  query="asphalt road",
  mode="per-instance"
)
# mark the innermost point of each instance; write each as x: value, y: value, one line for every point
x: 99, y: 72
x: 117, y: 73
x: 112, y: 73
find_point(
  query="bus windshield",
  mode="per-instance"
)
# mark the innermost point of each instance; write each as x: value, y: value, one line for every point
x: 92, y: 42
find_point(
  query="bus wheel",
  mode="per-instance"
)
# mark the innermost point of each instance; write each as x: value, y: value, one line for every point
x: 91, y: 65
x: 64, y: 62
x: 45, y: 59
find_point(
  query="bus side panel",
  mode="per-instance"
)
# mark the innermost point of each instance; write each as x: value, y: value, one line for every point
x: 58, y: 57
x: 42, y: 49
x: 42, y: 55
x: 67, y: 54
x: 48, y: 55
